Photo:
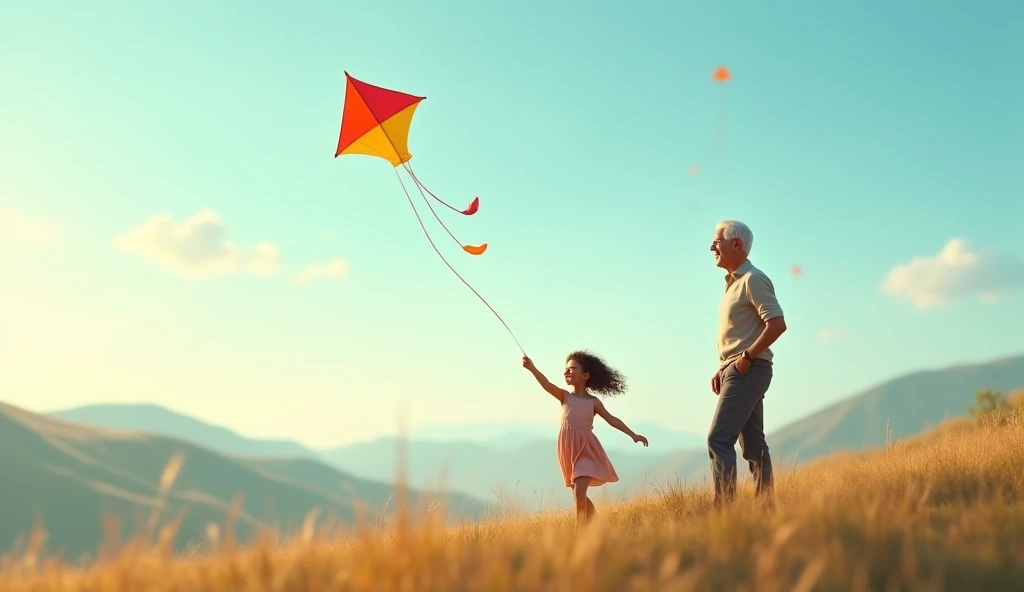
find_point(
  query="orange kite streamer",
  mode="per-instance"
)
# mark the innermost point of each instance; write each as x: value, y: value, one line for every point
x: 375, y: 122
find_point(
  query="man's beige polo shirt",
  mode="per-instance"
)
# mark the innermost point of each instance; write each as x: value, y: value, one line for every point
x: 747, y: 305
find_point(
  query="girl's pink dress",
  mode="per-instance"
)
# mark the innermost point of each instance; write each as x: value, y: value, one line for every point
x: 580, y: 454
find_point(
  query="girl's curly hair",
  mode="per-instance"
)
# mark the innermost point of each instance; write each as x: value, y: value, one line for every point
x: 604, y: 379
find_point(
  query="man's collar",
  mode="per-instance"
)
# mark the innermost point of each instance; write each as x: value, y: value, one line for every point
x: 742, y: 269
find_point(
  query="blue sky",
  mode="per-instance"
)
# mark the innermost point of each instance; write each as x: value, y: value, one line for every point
x: 859, y: 136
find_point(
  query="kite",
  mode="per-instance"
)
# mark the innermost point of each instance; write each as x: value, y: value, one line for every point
x: 722, y: 75
x: 797, y: 271
x: 375, y: 122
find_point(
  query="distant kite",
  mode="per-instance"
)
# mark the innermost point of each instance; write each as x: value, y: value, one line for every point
x: 721, y: 75
x: 797, y: 271
x: 375, y: 122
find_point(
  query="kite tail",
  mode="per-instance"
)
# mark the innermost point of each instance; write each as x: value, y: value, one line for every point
x: 471, y: 249
x: 469, y: 211
x: 717, y: 150
x: 723, y: 115
x: 436, y: 250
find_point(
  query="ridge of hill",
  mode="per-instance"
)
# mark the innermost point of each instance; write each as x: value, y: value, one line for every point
x: 161, y: 421
x: 923, y: 513
x: 69, y: 476
x: 526, y: 470
x: 894, y: 409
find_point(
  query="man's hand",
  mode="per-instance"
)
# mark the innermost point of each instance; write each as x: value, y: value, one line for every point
x: 716, y: 381
x: 742, y: 365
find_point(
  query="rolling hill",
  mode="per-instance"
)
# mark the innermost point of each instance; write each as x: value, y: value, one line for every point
x: 496, y: 462
x: 488, y: 461
x: 69, y: 475
x: 897, y: 408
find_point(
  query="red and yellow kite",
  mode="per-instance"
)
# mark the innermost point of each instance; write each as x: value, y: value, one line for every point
x: 375, y: 122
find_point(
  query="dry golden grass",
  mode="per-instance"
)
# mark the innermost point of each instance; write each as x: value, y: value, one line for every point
x: 942, y: 512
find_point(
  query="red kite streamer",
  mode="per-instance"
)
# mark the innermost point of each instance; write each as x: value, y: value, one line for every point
x: 375, y: 122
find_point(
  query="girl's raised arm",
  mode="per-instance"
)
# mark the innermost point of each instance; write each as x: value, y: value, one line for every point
x: 542, y: 380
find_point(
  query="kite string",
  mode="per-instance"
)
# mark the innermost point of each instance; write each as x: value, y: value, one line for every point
x: 431, y: 208
x: 408, y: 168
x: 718, y: 147
x: 436, y: 250
x: 723, y: 112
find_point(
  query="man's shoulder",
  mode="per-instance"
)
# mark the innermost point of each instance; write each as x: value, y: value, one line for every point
x: 755, y: 273
x: 757, y: 284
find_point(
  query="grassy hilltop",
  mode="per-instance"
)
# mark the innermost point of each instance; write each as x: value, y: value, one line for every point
x: 941, y: 511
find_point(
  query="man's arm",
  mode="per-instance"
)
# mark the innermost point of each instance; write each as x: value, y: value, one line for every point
x: 761, y: 294
x: 775, y: 327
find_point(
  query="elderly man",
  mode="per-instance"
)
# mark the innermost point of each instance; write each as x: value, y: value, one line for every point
x: 750, y: 320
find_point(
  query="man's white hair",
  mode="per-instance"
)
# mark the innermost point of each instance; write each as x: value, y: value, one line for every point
x: 736, y: 229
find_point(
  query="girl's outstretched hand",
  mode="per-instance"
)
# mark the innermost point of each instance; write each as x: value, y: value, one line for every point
x: 528, y: 363
x: 640, y: 438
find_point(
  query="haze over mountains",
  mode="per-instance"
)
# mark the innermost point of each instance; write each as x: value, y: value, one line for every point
x: 155, y: 419
x: 488, y: 461
x: 70, y: 475
x: 67, y: 472
x: 507, y: 435
x: 499, y: 462
x: 894, y: 409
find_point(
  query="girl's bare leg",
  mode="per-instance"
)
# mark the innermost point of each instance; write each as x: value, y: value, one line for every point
x: 583, y: 503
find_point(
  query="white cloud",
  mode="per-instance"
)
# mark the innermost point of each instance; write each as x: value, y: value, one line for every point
x: 19, y: 230
x: 956, y: 272
x: 831, y: 334
x: 334, y: 269
x: 197, y: 247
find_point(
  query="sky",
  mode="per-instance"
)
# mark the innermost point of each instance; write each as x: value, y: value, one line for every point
x: 175, y: 229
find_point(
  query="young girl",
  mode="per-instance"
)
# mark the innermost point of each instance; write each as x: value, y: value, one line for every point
x: 581, y: 457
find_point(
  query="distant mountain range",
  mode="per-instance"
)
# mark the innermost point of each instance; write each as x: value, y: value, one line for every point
x: 515, y: 462
x: 895, y: 409
x: 509, y: 435
x: 154, y: 419
x: 491, y: 462
x: 68, y: 475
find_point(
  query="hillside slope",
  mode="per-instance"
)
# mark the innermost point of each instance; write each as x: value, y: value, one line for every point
x: 526, y: 472
x: 68, y: 475
x: 519, y: 463
x: 929, y: 513
x: 897, y: 408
